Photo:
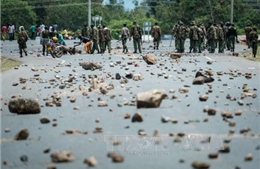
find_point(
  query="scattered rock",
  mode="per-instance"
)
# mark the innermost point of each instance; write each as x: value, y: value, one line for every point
x: 24, y: 158
x: 150, y: 99
x: 91, y: 161
x: 127, y: 115
x: 90, y: 65
x: 24, y: 106
x: 22, y: 135
x: 211, y: 111
x: 203, y: 97
x: 61, y: 156
x: 213, y: 155
x: 102, y: 103
x: 44, y: 120
x: 200, y: 165
x: 116, y: 158
x: 137, y: 117
x: 249, y: 157
x: 224, y: 149
x: 183, y: 90
x: 150, y: 59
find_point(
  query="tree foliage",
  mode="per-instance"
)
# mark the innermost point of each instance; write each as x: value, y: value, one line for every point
x: 72, y: 14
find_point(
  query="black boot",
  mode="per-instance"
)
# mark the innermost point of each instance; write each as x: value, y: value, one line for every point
x: 25, y: 53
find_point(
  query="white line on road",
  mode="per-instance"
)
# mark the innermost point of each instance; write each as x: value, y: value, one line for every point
x: 209, y: 58
x: 62, y: 61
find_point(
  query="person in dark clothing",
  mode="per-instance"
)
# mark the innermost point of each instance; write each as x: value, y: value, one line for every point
x: 87, y: 43
x: 232, y: 37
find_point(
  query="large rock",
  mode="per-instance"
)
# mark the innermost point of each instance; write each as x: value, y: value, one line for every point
x: 24, y: 106
x: 90, y: 65
x: 22, y: 135
x: 150, y: 99
x: 150, y: 59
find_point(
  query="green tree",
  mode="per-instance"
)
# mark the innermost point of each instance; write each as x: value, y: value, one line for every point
x: 17, y: 12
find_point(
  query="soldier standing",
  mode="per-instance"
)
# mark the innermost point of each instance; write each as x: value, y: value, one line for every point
x: 248, y: 29
x: 156, y: 34
x: 124, y: 36
x: 221, y: 38
x: 193, y: 35
x: 181, y: 34
x: 174, y: 34
x: 232, y: 37
x: 101, y: 38
x: 212, y: 38
x: 107, y: 34
x: 137, y: 37
x: 22, y: 38
x: 94, y: 38
x: 253, y: 37
x: 201, y: 37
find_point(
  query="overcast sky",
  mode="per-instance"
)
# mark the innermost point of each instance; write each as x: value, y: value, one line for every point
x: 128, y: 4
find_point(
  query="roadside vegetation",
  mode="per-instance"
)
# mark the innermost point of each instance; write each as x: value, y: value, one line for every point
x: 7, y: 64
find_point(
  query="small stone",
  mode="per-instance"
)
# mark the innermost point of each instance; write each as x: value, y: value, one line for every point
x: 72, y: 99
x: 211, y: 111
x: 238, y: 112
x: 240, y: 102
x: 7, y: 130
x: 224, y: 149
x: 213, y: 155
x: 102, y: 103
x: 24, y: 158
x: 51, y: 167
x: 200, y: 165
x: 117, y: 158
x: 137, y: 117
x: 203, y: 97
x: 127, y: 115
x: 22, y: 135
x: 249, y: 157
x: 232, y: 123
x: 44, y: 120
x: 61, y: 156
x: 46, y: 150
x: 91, y: 161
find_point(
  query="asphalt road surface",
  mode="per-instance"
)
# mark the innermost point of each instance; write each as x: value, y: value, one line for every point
x: 192, y: 135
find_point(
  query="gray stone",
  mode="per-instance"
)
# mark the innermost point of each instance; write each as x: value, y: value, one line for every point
x: 22, y: 135
x: 150, y: 59
x: 61, y: 156
x: 24, y: 106
x: 150, y: 99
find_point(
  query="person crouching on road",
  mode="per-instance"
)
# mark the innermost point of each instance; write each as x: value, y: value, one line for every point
x: 22, y: 38
x: 87, y: 42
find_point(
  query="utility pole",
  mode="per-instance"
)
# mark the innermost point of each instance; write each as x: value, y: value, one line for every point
x: 232, y: 11
x: 89, y: 12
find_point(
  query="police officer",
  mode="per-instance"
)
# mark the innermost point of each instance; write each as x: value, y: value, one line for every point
x: 193, y: 35
x: 124, y: 37
x: 22, y: 38
x: 136, y: 34
x: 156, y: 34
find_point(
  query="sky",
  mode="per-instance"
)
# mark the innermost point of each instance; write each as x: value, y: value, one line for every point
x: 128, y: 4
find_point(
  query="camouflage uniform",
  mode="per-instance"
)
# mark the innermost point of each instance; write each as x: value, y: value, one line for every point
x: 137, y: 37
x: 221, y: 38
x: 181, y: 34
x: 232, y: 37
x: 124, y: 36
x: 212, y: 38
x: 201, y: 37
x: 156, y: 34
x: 22, y: 38
x: 248, y: 29
x: 174, y: 30
x: 253, y: 36
x: 101, y: 38
x: 94, y: 38
x: 226, y: 28
x: 193, y: 35
x: 107, y: 34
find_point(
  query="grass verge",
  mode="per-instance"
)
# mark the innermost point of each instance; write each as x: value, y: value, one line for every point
x: 248, y: 55
x: 7, y: 64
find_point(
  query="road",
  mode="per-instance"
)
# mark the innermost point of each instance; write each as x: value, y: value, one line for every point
x: 163, y: 150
